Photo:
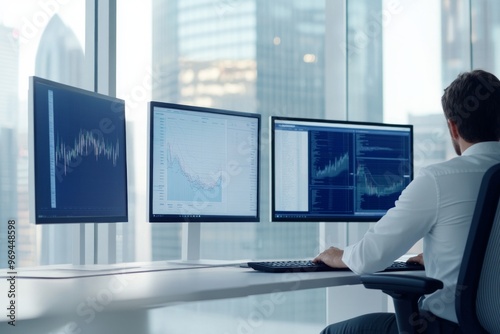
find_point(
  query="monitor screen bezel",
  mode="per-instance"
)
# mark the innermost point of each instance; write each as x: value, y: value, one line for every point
x: 118, y: 105
x: 333, y: 218
x: 199, y: 218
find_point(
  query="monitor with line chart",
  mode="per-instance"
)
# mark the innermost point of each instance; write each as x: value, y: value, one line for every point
x: 337, y: 171
x: 78, y: 170
x: 203, y: 164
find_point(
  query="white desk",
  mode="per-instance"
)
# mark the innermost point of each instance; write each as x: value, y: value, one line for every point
x: 65, y: 297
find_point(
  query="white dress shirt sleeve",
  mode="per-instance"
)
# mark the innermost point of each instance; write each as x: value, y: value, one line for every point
x: 393, y: 235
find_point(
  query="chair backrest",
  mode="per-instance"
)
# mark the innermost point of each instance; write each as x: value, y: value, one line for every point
x: 478, y: 287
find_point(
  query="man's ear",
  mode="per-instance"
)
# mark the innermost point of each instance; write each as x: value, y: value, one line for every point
x: 453, y: 129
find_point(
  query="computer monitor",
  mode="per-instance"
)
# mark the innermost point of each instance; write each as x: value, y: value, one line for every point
x: 78, y: 170
x: 203, y: 164
x: 337, y: 171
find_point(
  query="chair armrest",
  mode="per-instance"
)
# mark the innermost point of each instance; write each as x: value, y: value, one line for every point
x: 405, y: 291
x: 401, y: 284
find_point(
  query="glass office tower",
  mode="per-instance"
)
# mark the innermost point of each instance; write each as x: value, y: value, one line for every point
x: 255, y: 56
x: 486, y: 26
x: 455, y: 50
x: 59, y: 58
x: 480, y: 21
x: 364, y: 60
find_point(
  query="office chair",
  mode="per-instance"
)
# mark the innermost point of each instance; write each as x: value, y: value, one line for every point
x: 478, y: 305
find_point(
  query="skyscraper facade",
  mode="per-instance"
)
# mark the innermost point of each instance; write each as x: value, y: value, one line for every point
x: 59, y: 58
x: 254, y: 56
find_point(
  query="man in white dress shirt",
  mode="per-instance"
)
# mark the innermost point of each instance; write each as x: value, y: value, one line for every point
x: 437, y: 206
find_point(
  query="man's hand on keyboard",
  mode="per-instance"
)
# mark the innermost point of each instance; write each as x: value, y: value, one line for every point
x: 331, y: 257
x: 418, y: 259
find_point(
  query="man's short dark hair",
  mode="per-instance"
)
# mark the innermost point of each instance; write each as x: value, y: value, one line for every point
x: 472, y: 101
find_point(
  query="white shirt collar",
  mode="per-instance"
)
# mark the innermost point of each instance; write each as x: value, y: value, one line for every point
x: 483, y: 147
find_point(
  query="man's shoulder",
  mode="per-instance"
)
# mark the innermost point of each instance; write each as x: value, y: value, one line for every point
x: 443, y: 167
x: 458, y: 165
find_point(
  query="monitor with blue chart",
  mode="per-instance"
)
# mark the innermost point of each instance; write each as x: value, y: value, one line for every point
x: 78, y: 164
x: 203, y: 164
x: 337, y: 171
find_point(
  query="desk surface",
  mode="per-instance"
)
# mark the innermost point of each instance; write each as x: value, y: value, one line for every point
x: 56, y: 292
x: 63, y: 291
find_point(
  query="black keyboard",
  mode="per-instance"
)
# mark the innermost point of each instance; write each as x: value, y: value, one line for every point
x: 309, y: 266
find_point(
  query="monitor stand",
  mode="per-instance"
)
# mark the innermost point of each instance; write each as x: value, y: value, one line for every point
x: 191, y: 243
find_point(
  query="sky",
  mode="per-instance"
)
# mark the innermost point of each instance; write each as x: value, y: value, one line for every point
x: 28, y: 18
x: 412, y: 59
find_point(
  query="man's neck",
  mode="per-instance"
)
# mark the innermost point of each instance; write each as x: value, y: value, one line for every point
x: 464, y: 145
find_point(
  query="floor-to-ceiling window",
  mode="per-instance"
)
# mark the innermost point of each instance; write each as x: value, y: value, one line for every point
x: 264, y: 57
x: 271, y: 57
x: 45, y: 39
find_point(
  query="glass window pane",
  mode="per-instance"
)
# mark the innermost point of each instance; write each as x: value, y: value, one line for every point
x: 256, y: 56
x: 45, y: 39
x: 486, y: 35
x: 254, y: 52
x: 253, y: 56
x: 364, y: 60
x: 420, y: 58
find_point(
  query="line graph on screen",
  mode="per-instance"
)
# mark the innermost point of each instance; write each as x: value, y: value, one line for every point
x: 86, y: 143
x: 378, y: 182
x: 195, y: 159
x: 187, y: 182
x: 333, y: 168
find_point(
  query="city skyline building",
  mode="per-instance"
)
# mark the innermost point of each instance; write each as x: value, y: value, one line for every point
x: 364, y: 61
x: 266, y: 57
x: 255, y: 56
x: 259, y: 56
x: 60, y: 58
